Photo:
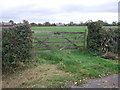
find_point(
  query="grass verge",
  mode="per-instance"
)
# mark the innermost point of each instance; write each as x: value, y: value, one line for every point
x: 80, y: 64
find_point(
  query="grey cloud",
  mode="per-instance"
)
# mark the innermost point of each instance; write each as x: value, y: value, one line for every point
x: 107, y: 7
x: 29, y: 12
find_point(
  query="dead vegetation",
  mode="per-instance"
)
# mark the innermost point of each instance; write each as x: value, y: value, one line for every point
x: 110, y: 55
x: 39, y: 76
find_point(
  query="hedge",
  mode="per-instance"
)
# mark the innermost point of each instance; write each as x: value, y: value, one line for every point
x: 101, y: 39
x: 16, y: 44
x: 110, y: 39
x: 94, y: 37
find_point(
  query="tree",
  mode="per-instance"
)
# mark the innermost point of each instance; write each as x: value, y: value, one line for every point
x: 71, y: 24
x: 81, y: 24
x: 11, y: 21
x: 53, y: 24
x: 101, y: 22
x: 47, y: 24
x: 106, y: 24
x: 114, y: 23
x: 33, y: 24
x: 39, y: 24
x: 25, y: 22
x: 87, y: 22
x: 118, y: 23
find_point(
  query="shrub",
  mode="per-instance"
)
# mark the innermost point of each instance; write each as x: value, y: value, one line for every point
x: 94, y: 37
x: 16, y: 44
x: 109, y: 40
x: 102, y: 39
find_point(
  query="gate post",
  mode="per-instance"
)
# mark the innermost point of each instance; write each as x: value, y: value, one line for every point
x: 85, y: 39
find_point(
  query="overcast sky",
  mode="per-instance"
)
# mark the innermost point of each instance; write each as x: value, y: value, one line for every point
x: 56, y: 11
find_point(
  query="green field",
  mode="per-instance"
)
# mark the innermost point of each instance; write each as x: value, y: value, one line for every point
x: 62, y: 29
x: 111, y: 27
x: 67, y: 28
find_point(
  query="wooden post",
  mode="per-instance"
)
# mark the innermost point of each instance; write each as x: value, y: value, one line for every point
x: 85, y: 39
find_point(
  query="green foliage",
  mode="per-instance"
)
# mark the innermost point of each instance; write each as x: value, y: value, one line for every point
x: 109, y: 40
x: 102, y: 40
x: 81, y: 64
x: 16, y: 44
x: 94, y: 37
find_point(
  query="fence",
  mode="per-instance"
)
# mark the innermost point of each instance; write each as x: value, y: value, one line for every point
x: 49, y: 40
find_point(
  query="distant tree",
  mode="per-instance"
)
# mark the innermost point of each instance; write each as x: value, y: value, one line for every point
x: 39, y: 24
x: 33, y: 24
x: 114, y: 23
x: 101, y: 22
x: 71, y: 24
x: 53, y: 24
x: 81, y: 24
x: 25, y: 22
x: 105, y: 24
x: 87, y: 22
x: 47, y: 24
x: 11, y: 21
x: 118, y: 23
x: 65, y: 24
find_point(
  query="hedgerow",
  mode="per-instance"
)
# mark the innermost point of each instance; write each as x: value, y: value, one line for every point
x: 16, y: 44
x: 109, y: 40
x: 101, y: 40
x: 94, y: 37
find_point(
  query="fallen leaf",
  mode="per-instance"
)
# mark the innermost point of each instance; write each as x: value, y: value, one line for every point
x: 75, y: 83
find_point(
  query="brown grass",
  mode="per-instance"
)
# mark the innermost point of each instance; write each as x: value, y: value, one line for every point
x: 38, y: 76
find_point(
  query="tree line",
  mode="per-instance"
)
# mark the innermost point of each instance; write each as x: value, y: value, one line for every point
x: 68, y: 24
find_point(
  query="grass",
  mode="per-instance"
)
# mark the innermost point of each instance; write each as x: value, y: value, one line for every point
x: 61, y: 69
x: 67, y: 28
x: 80, y: 64
x: 56, y: 28
x: 111, y: 27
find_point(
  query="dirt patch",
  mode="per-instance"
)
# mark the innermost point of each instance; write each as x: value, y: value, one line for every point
x: 105, y: 82
x: 33, y: 77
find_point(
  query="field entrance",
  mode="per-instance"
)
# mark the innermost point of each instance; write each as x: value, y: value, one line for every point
x: 45, y: 41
